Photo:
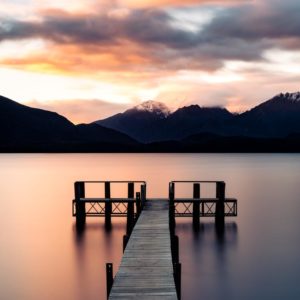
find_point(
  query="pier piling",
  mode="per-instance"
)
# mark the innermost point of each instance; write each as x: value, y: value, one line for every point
x: 108, y: 206
x: 220, y: 206
x: 172, y: 222
x: 196, y: 205
x: 80, y: 205
x: 177, y: 279
x: 109, y: 278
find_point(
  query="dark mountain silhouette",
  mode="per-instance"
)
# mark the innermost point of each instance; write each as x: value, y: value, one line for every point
x: 273, y: 126
x: 26, y: 128
x: 195, y: 119
x: 276, y: 118
x: 144, y: 122
x: 152, y: 121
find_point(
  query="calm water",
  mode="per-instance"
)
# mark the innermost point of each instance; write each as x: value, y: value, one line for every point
x: 42, y: 257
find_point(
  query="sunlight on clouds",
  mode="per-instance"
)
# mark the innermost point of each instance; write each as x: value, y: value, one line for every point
x: 283, y: 61
x: 147, y: 94
x: 235, y: 104
x: 164, y: 3
x: 67, y: 5
x: 275, y: 61
x: 221, y: 76
x: 26, y: 86
x: 21, y: 48
x: 191, y: 19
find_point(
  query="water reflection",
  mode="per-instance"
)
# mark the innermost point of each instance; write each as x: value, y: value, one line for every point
x: 206, y: 253
x: 43, y: 256
x: 95, y: 245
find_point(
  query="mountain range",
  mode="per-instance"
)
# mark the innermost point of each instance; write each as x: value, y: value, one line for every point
x: 23, y: 128
x: 151, y: 126
x: 152, y: 121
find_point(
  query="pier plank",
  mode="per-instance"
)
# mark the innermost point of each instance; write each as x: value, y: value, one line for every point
x: 146, y: 269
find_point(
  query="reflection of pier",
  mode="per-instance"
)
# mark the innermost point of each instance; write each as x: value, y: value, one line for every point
x: 150, y: 265
x: 218, y: 207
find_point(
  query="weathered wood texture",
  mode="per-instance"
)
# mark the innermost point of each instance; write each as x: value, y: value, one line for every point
x: 146, y: 270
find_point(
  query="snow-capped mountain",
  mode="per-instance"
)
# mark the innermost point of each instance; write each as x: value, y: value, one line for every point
x: 155, y: 107
x: 277, y: 117
x: 153, y: 121
x: 293, y: 97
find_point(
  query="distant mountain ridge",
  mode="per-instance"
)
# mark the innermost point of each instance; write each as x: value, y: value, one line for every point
x: 158, y: 123
x: 23, y: 128
x: 277, y: 117
x: 272, y: 126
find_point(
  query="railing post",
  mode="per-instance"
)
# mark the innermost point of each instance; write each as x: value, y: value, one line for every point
x: 130, y: 217
x: 172, y: 222
x: 143, y: 194
x: 138, y: 205
x: 108, y: 206
x: 79, y: 190
x: 130, y: 208
x: 220, y: 209
x: 130, y: 190
x: 109, y: 278
x: 177, y: 279
x: 196, y: 204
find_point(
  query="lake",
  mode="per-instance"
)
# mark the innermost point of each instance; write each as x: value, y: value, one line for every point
x: 43, y: 257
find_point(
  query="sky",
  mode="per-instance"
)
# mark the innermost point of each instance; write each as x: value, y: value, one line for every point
x: 89, y: 59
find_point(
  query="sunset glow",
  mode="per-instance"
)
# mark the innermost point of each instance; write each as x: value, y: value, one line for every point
x: 90, y: 59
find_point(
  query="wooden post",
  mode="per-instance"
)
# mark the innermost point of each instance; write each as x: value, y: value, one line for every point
x: 130, y: 208
x: 172, y: 222
x: 79, y: 190
x: 143, y: 194
x: 220, y: 209
x: 125, y: 241
x: 130, y: 190
x: 177, y: 279
x: 175, y: 248
x: 130, y: 216
x: 196, y: 205
x: 138, y: 205
x: 109, y: 278
x: 108, y: 207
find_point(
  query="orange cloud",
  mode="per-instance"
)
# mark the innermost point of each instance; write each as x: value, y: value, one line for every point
x: 164, y: 3
x: 102, y: 64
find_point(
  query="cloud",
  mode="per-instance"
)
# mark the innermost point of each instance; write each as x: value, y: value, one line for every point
x: 271, y: 19
x: 165, y: 3
x: 81, y: 111
x: 146, y: 41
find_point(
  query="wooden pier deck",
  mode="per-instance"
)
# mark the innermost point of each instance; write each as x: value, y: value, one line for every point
x: 146, y: 269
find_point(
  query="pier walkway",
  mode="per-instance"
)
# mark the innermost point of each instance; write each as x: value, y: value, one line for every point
x: 150, y: 267
x: 146, y: 270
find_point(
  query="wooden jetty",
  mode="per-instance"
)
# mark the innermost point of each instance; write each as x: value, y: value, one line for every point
x: 146, y: 270
x: 150, y: 267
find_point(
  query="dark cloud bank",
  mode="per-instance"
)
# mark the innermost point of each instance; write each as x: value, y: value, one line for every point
x: 240, y: 32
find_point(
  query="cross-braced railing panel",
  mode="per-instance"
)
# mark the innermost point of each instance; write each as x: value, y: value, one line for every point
x: 183, y: 208
x: 119, y: 208
x: 231, y: 208
x: 97, y: 208
x: 206, y: 208
x: 94, y: 208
